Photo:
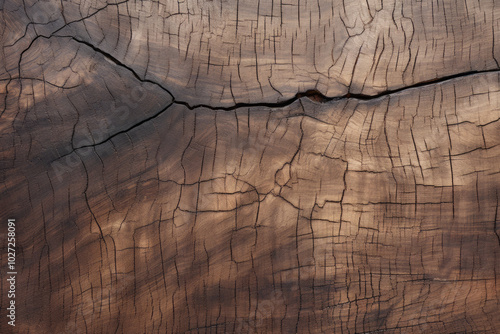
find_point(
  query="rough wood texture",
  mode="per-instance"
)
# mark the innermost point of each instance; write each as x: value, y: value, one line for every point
x: 240, y: 167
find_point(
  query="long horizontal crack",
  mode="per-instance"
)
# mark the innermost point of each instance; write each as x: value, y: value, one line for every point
x: 317, y: 96
x: 312, y: 94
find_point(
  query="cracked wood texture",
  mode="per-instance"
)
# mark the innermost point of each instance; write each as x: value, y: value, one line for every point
x: 251, y: 166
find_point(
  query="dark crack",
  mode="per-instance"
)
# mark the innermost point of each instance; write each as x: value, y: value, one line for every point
x: 314, y: 95
x: 117, y: 133
x: 317, y: 96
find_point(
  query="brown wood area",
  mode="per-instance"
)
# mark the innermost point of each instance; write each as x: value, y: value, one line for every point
x: 274, y: 166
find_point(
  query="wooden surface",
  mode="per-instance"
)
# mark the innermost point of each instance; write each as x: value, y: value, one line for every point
x: 251, y: 167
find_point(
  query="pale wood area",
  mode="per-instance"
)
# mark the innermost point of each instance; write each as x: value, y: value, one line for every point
x: 252, y: 167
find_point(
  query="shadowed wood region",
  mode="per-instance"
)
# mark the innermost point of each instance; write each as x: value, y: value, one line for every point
x: 250, y: 166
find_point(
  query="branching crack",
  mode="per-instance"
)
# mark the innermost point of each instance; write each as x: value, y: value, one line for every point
x: 313, y: 95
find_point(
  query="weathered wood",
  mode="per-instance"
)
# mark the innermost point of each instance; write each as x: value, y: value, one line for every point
x: 213, y: 167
